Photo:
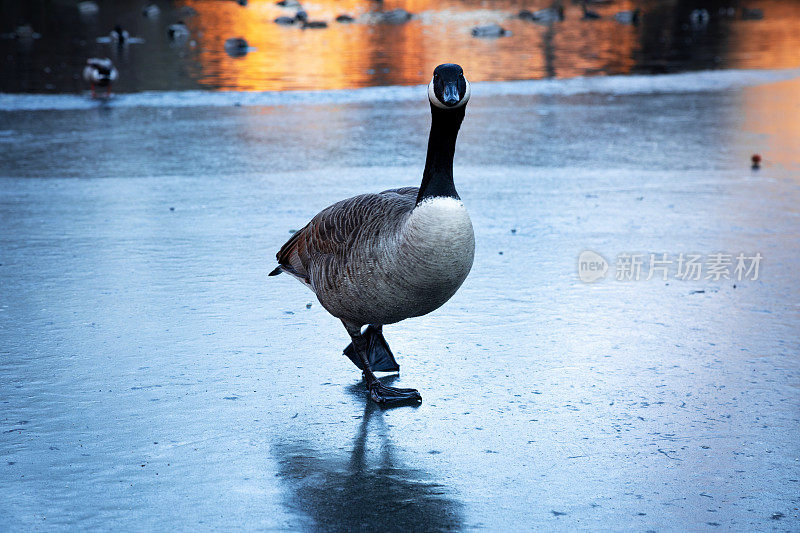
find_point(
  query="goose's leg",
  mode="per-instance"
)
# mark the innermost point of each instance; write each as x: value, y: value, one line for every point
x: 378, y: 392
x: 379, y: 354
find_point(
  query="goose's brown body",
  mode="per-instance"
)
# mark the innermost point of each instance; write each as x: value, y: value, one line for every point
x: 381, y: 258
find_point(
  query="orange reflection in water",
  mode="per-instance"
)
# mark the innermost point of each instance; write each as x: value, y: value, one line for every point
x: 365, y: 54
x: 773, y: 41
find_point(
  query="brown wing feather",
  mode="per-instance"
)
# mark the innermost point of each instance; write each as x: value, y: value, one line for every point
x: 322, y: 245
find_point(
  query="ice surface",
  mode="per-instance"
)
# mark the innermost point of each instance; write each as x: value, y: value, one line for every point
x: 153, y: 377
x: 712, y: 80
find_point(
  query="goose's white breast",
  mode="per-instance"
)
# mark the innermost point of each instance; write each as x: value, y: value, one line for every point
x: 440, y: 242
x: 441, y: 223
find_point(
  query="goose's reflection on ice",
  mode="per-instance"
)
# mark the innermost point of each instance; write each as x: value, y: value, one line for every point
x: 361, y: 490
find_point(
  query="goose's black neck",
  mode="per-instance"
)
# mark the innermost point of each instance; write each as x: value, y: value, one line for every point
x: 437, y: 179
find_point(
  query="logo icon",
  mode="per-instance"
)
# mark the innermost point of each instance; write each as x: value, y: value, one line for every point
x: 591, y: 266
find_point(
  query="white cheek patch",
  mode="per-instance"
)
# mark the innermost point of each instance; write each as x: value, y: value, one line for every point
x: 438, y: 103
x: 432, y: 97
x: 467, y: 94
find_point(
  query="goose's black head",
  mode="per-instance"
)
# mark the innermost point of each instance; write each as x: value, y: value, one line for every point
x: 449, y: 89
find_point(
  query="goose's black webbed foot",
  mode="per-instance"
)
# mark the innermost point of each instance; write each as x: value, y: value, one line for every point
x: 384, y: 395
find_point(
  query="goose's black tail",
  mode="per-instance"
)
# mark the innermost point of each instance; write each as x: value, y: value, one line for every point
x: 275, y: 272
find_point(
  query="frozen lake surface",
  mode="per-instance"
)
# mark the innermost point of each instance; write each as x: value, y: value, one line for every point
x: 152, y: 377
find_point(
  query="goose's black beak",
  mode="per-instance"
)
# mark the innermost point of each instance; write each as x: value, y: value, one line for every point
x: 450, y: 94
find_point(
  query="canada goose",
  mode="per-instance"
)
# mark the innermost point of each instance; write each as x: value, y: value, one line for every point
x: 543, y: 16
x: 589, y: 14
x: 100, y: 72
x: 489, y: 30
x: 88, y: 8
x: 377, y: 259
x: 236, y: 47
x: 699, y: 18
x: 178, y: 31
x: 24, y: 32
x: 393, y: 16
x: 628, y: 17
x: 187, y: 11
x: 118, y: 35
x: 151, y: 10
x: 302, y: 17
x: 752, y: 13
